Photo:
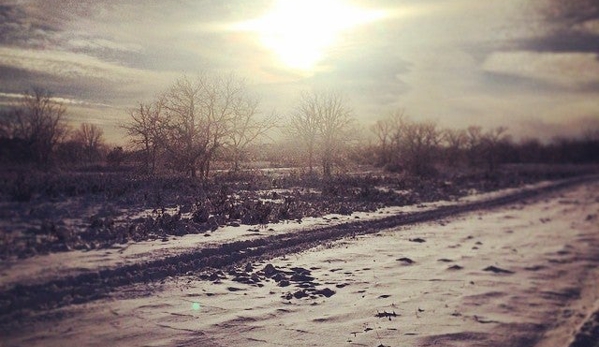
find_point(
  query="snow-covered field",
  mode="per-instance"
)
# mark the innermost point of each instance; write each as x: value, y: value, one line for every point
x: 521, y: 275
x: 41, y: 268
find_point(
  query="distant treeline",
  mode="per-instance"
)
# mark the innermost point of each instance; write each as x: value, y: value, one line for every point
x: 197, y: 124
x: 421, y: 147
x: 35, y: 133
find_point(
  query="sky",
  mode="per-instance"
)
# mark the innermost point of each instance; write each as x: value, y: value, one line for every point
x: 532, y: 66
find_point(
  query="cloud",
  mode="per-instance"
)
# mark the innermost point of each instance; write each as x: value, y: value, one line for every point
x: 372, y: 74
x: 589, y: 27
x: 67, y: 64
x: 76, y: 68
x: 15, y: 97
x: 565, y: 14
x: 17, y: 28
x: 571, y: 70
x: 563, y: 26
x: 93, y: 44
x: 574, y: 40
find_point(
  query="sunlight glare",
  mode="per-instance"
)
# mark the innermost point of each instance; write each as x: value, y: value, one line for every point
x: 300, y: 31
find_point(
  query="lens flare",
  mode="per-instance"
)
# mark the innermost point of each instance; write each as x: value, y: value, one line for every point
x: 300, y: 32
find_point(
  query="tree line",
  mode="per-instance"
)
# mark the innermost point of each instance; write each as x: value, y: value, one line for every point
x: 421, y: 147
x: 35, y: 132
x: 216, y: 118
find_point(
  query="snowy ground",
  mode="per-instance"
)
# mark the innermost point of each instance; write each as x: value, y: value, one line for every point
x: 41, y: 268
x: 521, y: 275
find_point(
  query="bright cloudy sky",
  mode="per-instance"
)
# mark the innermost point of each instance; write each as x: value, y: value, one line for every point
x: 532, y: 66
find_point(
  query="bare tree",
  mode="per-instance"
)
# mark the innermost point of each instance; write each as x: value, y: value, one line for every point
x: 420, y: 144
x: 142, y: 130
x: 116, y: 156
x: 321, y: 121
x: 382, y: 130
x: 13, y: 149
x: 305, y: 126
x: 335, y: 119
x: 492, y: 142
x: 39, y: 123
x: 181, y: 126
x: 90, y: 136
x: 245, y: 129
x: 483, y: 147
x: 195, y: 118
x: 396, y: 123
x: 474, y: 138
x: 531, y: 150
x: 9, y: 122
x: 455, y: 143
x: 407, y: 145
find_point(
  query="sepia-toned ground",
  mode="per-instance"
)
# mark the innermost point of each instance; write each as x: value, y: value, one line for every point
x: 523, y: 274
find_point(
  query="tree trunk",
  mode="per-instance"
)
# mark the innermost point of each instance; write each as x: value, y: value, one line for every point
x: 326, y: 168
x: 192, y: 167
x: 236, y: 160
x: 310, y: 157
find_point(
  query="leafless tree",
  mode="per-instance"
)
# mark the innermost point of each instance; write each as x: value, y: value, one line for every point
x: 182, y: 127
x: 245, y: 129
x: 304, y: 126
x: 474, y: 138
x: 8, y: 123
x: 419, y: 145
x: 195, y: 118
x: 116, y: 156
x: 70, y: 152
x: 39, y: 122
x: 483, y: 147
x: 321, y: 121
x: 407, y: 145
x: 335, y: 119
x: 390, y: 132
x: 492, y: 142
x: 382, y: 130
x: 90, y: 136
x: 530, y: 150
x: 455, y: 143
x: 142, y: 130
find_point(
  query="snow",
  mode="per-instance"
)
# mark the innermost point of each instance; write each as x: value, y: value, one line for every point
x: 40, y: 268
x: 548, y: 246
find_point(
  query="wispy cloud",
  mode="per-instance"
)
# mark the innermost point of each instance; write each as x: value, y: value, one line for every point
x: 14, y: 98
x: 564, y: 26
x: 567, y: 69
x: 72, y: 65
x: 590, y: 27
x: 17, y: 28
x: 93, y: 44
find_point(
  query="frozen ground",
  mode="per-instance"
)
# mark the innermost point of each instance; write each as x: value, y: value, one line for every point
x: 41, y: 268
x: 520, y: 275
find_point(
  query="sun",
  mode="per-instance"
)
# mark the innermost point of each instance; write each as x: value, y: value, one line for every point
x: 299, y: 32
